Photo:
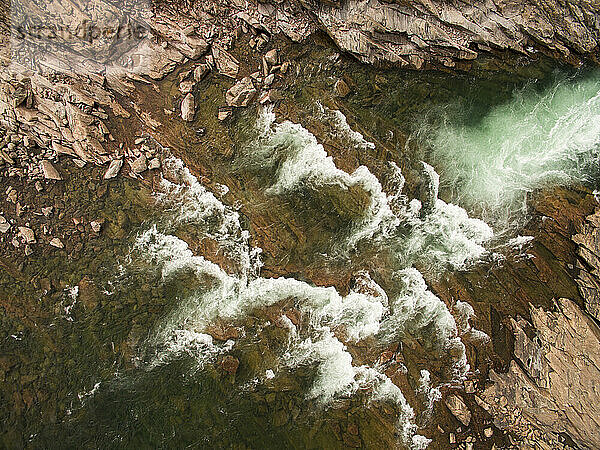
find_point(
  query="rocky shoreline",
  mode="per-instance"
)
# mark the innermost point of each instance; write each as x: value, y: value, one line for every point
x: 198, y: 71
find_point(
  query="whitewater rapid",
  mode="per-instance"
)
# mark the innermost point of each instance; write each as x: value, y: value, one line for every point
x: 439, y: 233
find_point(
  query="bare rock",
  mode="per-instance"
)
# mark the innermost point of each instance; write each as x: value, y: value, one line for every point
x: 588, y: 251
x: 56, y: 242
x: 139, y: 165
x: 113, y: 169
x: 241, y: 93
x: 459, y: 409
x: 553, y: 388
x: 27, y: 234
x: 226, y: 64
x: 188, y: 108
x: 49, y: 171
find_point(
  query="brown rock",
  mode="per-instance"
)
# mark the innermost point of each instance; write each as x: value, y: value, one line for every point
x: 50, y: 172
x: 459, y: 409
x: 188, y: 108
x: 241, y: 93
x: 226, y: 64
x: 230, y: 364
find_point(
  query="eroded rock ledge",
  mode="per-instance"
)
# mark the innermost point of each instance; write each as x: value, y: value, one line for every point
x: 422, y: 33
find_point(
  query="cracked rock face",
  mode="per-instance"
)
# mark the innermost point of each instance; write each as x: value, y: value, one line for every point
x: 589, y: 263
x: 437, y: 32
x: 552, y: 385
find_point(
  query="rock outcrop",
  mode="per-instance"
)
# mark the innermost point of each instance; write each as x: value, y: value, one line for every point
x: 551, y: 386
x: 440, y: 32
x: 588, y: 263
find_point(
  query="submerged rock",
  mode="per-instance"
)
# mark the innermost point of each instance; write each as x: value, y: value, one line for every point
x: 341, y: 88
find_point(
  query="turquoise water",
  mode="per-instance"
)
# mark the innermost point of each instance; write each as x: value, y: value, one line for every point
x: 546, y: 134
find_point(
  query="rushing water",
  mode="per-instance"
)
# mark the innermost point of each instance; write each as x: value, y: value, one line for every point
x: 541, y: 137
x: 305, y: 349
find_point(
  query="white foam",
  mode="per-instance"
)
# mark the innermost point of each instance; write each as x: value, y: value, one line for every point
x: 444, y: 235
x: 342, y: 129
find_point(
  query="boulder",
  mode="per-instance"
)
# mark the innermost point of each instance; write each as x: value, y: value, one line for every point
x: 56, y: 242
x: 457, y: 407
x: 241, y: 93
x: 27, y: 234
x: 139, y: 165
x: 271, y: 57
x: 185, y: 87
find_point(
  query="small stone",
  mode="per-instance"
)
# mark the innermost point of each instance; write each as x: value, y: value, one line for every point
x: 27, y: 234
x: 50, y: 172
x: 154, y: 164
x: 284, y: 67
x: 452, y: 438
x: 47, y: 211
x: 139, y: 165
x: 56, y: 242
x: 224, y: 114
x: 488, y: 432
x: 341, y: 88
x: 96, y: 226
x: 79, y: 163
x: 140, y: 140
x: 113, y: 169
x: 200, y: 72
x: 4, y: 227
x: 188, y: 108
x: 28, y: 250
x: 269, y: 80
x: 271, y: 57
x: 27, y: 142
